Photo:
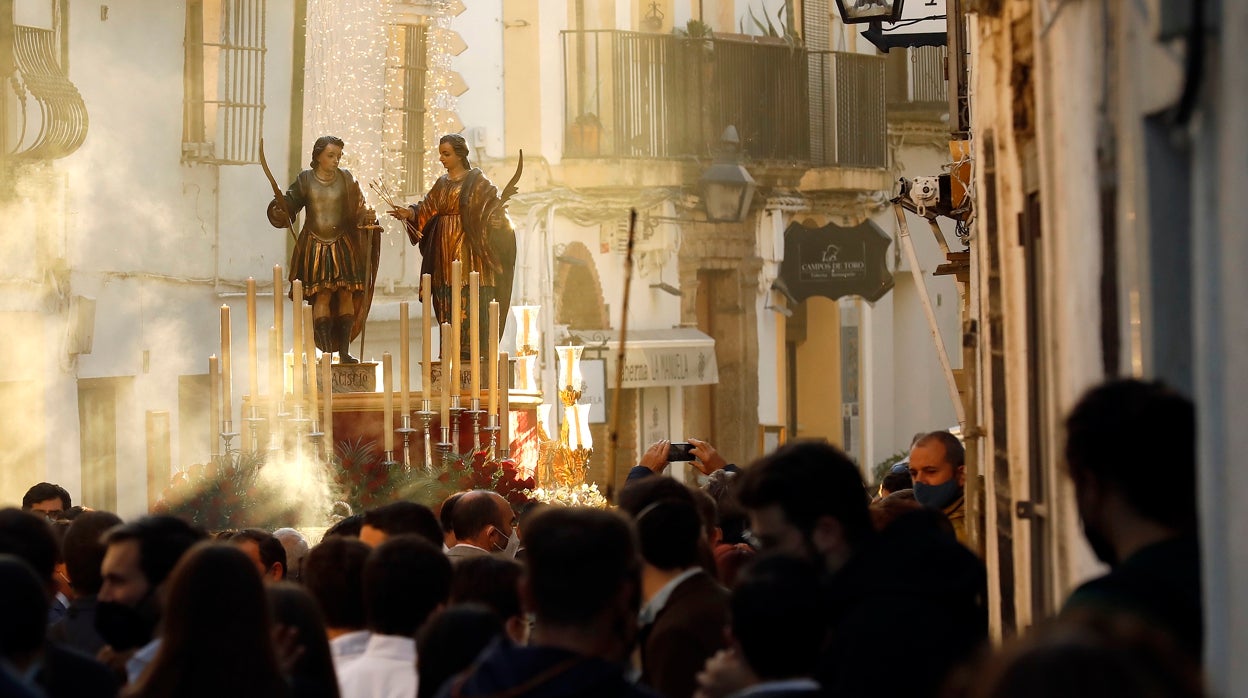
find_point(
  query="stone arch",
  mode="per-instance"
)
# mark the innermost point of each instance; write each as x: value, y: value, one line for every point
x: 578, y: 292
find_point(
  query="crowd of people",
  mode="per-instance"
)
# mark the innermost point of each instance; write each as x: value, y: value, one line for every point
x: 789, y: 577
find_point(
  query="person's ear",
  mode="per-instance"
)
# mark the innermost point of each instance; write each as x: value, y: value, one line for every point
x: 517, y: 629
x: 277, y: 572
x: 962, y: 476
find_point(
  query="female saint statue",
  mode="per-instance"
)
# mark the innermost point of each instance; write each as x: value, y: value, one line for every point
x: 336, y: 253
x: 464, y: 218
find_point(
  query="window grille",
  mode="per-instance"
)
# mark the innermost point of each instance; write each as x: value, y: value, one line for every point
x: 224, y: 81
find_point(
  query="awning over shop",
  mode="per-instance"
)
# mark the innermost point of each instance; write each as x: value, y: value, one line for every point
x: 655, y: 358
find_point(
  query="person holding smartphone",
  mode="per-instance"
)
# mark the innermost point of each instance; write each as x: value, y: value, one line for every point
x: 701, y: 453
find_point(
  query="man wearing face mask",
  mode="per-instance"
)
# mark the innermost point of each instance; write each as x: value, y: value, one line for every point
x: 138, y: 560
x: 937, y: 466
x: 484, y: 523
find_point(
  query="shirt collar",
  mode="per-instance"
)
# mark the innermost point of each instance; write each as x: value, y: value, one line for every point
x: 802, y: 684
x: 656, y: 603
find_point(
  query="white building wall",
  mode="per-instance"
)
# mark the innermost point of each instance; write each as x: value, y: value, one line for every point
x: 481, y: 107
x: 154, y: 241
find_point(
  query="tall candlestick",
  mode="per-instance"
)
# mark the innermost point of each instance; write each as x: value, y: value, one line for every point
x: 456, y: 325
x: 309, y: 347
x: 227, y: 374
x: 214, y: 406
x: 474, y: 333
x: 278, y: 303
x: 492, y: 359
x: 327, y: 421
x: 426, y: 337
x: 405, y: 361
x: 252, y: 359
x: 504, y: 416
x: 445, y: 412
x: 387, y: 377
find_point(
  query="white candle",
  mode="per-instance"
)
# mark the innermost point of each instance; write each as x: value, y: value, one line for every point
x: 309, y: 344
x: 387, y: 426
x: 278, y: 303
x: 276, y: 389
x: 327, y: 421
x: 426, y: 338
x: 252, y: 359
x: 474, y: 333
x: 227, y: 374
x: 296, y: 320
x: 456, y: 276
x: 405, y: 361
x: 504, y: 421
x: 492, y: 358
x: 214, y: 406
x: 446, y: 378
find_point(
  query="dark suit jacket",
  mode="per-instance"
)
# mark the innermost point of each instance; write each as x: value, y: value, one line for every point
x: 71, y: 674
x: 688, y: 630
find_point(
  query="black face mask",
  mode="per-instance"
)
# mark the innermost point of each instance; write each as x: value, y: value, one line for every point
x: 126, y: 627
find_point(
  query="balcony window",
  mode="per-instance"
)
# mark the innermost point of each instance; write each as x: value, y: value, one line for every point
x: 405, y: 106
x: 224, y: 81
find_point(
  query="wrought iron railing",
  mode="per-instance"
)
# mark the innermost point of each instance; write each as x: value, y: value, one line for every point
x: 632, y: 94
x: 224, y: 102
x: 51, y: 117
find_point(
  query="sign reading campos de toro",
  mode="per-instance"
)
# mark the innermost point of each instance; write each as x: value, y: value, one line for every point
x: 833, y: 261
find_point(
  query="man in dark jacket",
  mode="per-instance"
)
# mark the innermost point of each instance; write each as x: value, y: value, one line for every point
x: 685, y: 610
x: 583, y: 585
x: 1131, y: 450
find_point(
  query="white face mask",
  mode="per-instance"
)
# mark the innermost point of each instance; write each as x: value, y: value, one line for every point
x: 513, y: 545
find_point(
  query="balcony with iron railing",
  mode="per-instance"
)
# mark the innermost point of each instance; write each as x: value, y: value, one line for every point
x: 635, y: 95
x: 917, y: 88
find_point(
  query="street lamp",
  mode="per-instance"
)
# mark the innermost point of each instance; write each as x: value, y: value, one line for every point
x: 859, y: 11
x: 727, y: 187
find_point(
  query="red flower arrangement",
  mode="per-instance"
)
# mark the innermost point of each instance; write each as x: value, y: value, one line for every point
x: 477, y: 471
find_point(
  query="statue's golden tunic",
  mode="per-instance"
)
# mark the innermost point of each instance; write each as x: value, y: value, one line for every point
x: 465, y: 220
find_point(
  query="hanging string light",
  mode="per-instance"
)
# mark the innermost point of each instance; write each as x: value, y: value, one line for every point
x: 344, y: 90
x: 440, y: 103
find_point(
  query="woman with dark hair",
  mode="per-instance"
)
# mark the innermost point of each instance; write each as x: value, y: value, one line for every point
x: 463, y: 218
x: 336, y: 253
x: 312, y: 675
x: 217, y: 639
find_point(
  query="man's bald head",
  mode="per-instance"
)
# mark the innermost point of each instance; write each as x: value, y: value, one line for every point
x: 477, y: 514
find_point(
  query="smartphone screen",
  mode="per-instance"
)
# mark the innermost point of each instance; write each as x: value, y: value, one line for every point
x: 680, y: 451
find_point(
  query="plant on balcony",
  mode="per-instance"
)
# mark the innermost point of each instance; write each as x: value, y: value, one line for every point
x: 585, y: 135
x: 787, y: 33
